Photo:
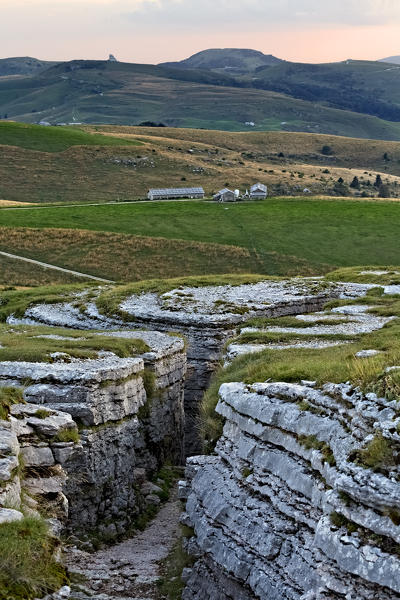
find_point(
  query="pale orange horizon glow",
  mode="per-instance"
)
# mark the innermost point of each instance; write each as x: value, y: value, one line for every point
x: 311, y: 45
x: 153, y: 31
x: 297, y: 45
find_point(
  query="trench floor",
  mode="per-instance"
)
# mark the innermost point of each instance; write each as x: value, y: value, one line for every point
x: 131, y: 569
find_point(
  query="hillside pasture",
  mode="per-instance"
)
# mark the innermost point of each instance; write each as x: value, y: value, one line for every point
x: 287, y: 163
x: 108, y: 92
x: 19, y: 273
x: 53, y: 139
x: 322, y: 234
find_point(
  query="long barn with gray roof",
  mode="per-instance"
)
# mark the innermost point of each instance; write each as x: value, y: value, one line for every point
x: 170, y: 193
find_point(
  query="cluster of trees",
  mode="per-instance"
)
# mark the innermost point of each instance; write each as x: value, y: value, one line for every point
x: 151, y: 124
x: 341, y: 189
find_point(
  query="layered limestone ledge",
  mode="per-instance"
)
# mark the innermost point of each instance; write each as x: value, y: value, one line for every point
x: 285, y: 510
x: 131, y: 422
x: 207, y: 317
x: 32, y: 451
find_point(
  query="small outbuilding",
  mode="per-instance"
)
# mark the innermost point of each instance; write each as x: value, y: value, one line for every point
x: 171, y: 193
x: 225, y: 195
x: 258, y: 190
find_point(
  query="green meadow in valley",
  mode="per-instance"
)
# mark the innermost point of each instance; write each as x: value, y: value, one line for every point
x: 320, y: 233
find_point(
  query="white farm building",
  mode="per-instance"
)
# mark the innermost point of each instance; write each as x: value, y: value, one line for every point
x: 258, y: 190
x: 171, y: 193
x: 225, y: 195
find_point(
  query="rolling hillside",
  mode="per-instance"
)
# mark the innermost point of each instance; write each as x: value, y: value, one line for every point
x: 25, y: 65
x: 391, y: 59
x: 271, y: 97
x: 361, y: 86
x: 118, y: 163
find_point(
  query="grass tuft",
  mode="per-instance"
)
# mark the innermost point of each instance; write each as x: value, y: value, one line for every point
x: 27, y: 566
x: 67, y: 435
x: 8, y: 397
x: 32, y: 344
x: 379, y: 455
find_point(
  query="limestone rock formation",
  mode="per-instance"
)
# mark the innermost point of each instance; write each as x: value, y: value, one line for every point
x: 287, y: 509
x: 206, y: 316
x: 131, y: 422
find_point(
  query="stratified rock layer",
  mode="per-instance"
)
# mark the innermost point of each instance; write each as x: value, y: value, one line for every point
x: 131, y: 422
x: 206, y: 316
x: 285, y: 510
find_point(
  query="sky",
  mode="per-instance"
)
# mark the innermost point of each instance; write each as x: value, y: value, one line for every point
x: 152, y: 31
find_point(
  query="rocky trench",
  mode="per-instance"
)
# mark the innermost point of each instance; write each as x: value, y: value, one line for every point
x: 260, y: 508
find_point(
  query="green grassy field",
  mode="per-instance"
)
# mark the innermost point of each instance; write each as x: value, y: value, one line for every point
x: 54, y: 139
x: 324, y: 233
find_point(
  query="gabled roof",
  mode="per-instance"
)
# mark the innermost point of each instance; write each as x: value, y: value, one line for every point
x: 223, y: 192
x: 258, y: 186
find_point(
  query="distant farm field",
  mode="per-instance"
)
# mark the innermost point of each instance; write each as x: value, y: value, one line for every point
x: 321, y: 234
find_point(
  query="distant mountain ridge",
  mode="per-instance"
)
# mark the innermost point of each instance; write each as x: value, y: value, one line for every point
x: 395, y: 60
x: 23, y: 65
x: 231, y: 89
x: 228, y: 59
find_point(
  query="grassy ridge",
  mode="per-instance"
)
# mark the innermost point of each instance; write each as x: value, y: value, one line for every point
x: 53, y: 139
x: 336, y: 233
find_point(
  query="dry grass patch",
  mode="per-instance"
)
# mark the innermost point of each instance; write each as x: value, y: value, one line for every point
x: 296, y: 146
x: 17, y: 273
x: 122, y: 257
x: 7, y: 203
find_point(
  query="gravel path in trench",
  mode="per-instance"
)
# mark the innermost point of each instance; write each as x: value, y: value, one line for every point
x: 131, y: 569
